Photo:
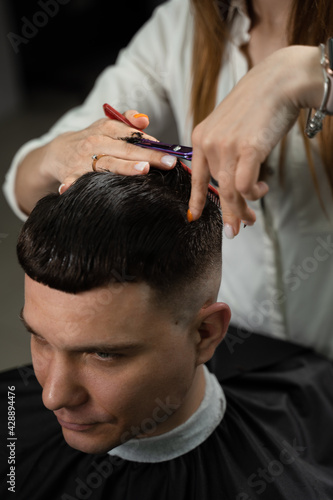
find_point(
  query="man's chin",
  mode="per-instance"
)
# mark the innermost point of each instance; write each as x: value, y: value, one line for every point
x: 88, y: 442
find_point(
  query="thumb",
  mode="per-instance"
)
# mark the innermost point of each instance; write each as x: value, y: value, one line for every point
x: 139, y: 120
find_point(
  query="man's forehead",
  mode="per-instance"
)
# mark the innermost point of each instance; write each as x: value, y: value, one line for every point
x: 121, y: 293
x: 108, y: 312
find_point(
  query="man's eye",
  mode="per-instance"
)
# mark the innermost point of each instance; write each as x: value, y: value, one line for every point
x: 38, y: 339
x: 107, y: 355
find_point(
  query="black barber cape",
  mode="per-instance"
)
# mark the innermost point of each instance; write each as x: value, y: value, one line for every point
x: 274, y: 442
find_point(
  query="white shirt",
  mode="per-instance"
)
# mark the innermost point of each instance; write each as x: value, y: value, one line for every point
x: 278, y: 274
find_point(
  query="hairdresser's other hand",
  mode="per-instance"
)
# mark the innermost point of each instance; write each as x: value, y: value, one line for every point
x: 60, y: 162
x: 234, y: 140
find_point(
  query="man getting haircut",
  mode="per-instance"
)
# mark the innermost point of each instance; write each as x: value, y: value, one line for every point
x: 120, y: 301
x: 130, y: 288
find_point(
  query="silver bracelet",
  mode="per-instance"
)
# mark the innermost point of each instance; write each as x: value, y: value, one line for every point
x: 315, y: 123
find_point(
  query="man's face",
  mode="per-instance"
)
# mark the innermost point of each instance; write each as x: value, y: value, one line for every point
x: 111, y: 365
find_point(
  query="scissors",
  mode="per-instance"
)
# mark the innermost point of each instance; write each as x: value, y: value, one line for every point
x: 177, y: 150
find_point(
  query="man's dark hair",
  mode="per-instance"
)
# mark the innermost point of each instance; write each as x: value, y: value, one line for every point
x: 107, y: 228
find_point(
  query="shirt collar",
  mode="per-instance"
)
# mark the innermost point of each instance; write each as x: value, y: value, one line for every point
x: 239, y: 22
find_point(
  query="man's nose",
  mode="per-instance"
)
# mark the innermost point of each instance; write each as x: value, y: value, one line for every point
x: 62, y: 387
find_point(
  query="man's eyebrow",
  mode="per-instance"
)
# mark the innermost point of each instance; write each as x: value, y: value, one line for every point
x: 102, y: 347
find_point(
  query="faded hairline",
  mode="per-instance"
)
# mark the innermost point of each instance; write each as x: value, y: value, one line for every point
x: 185, y: 302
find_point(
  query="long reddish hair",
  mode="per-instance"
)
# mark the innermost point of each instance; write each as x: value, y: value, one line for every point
x: 311, y: 24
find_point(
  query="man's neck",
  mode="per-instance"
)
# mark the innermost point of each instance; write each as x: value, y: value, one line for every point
x: 184, y: 437
x: 189, y: 406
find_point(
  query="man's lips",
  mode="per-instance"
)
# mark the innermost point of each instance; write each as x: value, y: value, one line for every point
x: 75, y: 426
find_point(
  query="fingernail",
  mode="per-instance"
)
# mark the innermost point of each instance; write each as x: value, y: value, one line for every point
x: 168, y: 160
x: 229, y: 231
x: 140, y: 115
x: 189, y: 216
x: 60, y: 188
x: 141, y: 166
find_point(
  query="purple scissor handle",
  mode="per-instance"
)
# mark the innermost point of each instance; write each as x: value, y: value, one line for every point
x: 183, y: 152
x: 177, y: 150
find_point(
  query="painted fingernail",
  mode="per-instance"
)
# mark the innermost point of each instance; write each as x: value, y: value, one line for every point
x: 229, y: 231
x: 168, y: 160
x: 141, y: 166
x: 60, y: 188
x: 189, y: 216
x: 140, y: 115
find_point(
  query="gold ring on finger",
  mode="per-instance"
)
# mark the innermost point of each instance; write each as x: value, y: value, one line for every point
x: 95, y: 159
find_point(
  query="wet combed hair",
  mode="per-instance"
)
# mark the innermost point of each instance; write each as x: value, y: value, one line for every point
x: 109, y: 228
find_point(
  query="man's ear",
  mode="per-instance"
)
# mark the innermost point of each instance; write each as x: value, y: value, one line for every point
x: 214, y: 322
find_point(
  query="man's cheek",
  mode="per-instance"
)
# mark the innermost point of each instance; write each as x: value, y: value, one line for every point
x: 40, y: 365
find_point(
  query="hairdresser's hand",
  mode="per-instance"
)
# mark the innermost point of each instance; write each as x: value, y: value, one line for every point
x: 68, y: 156
x: 233, y: 141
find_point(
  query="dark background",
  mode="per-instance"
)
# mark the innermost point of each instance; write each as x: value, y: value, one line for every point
x: 41, y: 78
x: 66, y: 46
